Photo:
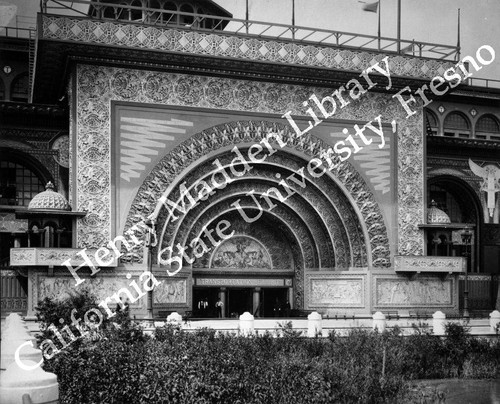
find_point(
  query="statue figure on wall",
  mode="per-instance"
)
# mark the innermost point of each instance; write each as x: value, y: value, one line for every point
x: 491, y: 176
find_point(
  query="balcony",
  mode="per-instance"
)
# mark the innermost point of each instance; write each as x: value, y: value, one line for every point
x: 53, y: 257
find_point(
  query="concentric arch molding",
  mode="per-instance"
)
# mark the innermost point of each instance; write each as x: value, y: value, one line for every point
x: 98, y: 86
x: 169, y: 170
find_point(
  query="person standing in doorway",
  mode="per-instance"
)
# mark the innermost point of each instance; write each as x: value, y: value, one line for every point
x: 218, y: 307
x: 202, y: 307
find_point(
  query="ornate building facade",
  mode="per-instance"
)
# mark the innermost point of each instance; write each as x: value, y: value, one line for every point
x: 136, y: 108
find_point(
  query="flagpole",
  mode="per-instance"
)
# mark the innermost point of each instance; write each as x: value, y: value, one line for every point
x: 458, y: 37
x: 399, y: 26
x: 246, y: 16
x: 293, y: 19
x: 379, y: 13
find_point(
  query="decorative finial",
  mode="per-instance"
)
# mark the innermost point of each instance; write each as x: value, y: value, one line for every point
x: 49, y: 186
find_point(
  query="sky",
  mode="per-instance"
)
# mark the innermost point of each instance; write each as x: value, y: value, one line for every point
x: 423, y: 20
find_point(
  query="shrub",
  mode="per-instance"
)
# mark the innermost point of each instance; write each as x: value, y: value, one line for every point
x: 58, y: 313
x: 209, y: 367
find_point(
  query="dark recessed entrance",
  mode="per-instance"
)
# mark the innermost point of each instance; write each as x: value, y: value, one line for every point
x: 239, y: 301
x: 274, y: 302
x: 208, y: 295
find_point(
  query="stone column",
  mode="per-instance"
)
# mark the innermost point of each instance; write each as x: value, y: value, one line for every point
x: 222, y: 297
x: 290, y: 297
x: 256, y: 301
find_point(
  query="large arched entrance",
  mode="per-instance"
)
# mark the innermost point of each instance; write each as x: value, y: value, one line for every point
x: 283, y: 218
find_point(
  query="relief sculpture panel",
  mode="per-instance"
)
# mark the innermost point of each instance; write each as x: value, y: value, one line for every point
x: 171, y: 291
x: 336, y: 292
x: 59, y: 288
x: 423, y: 291
x: 241, y: 252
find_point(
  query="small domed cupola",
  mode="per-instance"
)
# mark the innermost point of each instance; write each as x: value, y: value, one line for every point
x: 49, y: 200
x: 437, y: 216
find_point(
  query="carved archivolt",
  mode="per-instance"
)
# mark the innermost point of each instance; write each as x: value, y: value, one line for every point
x: 185, y: 156
x: 97, y: 86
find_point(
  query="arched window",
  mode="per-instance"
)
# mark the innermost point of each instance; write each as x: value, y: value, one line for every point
x: 456, y: 124
x: 2, y: 90
x: 187, y: 19
x: 155, y: 17
x: 136, y: 15
x: 18, y: 184
x: 487, y: 127
x: 460, y: 203
x: 19, y: 88
x: 171, y: 18
x: 201, y: 20
x: 431, y: 123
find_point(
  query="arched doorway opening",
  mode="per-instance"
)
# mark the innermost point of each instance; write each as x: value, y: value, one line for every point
x: 301, y: 221
x: 459, y: 201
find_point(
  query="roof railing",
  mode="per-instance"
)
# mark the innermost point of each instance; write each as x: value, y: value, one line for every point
x: 259, y: 29
x: 480, y: 82
x: 16, y: 32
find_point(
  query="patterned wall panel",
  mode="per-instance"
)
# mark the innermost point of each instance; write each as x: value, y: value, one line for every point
x: 114, y: 33
x: 98, y: 86
x: 427, y: 292
x: 102, y: 286
x: 332, y: 291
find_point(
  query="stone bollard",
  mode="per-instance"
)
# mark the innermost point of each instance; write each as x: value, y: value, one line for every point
x: 438, y: 323
x: 246, y: 323
x: 379, y: 321
x: 24, y: 378
x: 16, y: 337
x: 24, y: 349
x: 174, y: 318
x: 314, y: 324
x: 494, y: 319
x: 41, y: 386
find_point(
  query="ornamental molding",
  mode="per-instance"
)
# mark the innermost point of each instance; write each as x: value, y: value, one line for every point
x: 322, y: 195
x: 53, y: 257
x: 425, y: 292
x: 119, y: 34
x: 336, y: 290
x: 430, y: 264
x: 97, y: 87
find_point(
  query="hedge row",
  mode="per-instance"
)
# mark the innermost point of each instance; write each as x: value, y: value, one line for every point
x: 125, y: 366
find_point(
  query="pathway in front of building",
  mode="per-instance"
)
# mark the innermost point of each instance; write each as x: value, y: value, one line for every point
x: 460, y: 391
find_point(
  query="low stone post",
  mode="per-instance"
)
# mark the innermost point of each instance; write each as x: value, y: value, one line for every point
x: 438, y: 323
x: 379, y: 321
x: 314, y: 326
x: 41, y: 386
x: 174, y: 318
x: 16, y: 337
x: 494, y: 319
x: 24, y: 377
x: 246, y: 323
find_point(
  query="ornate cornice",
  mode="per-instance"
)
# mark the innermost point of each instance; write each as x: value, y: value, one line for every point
x: 462, y: 142
x: 131, y: 44
x: 35, y: 109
